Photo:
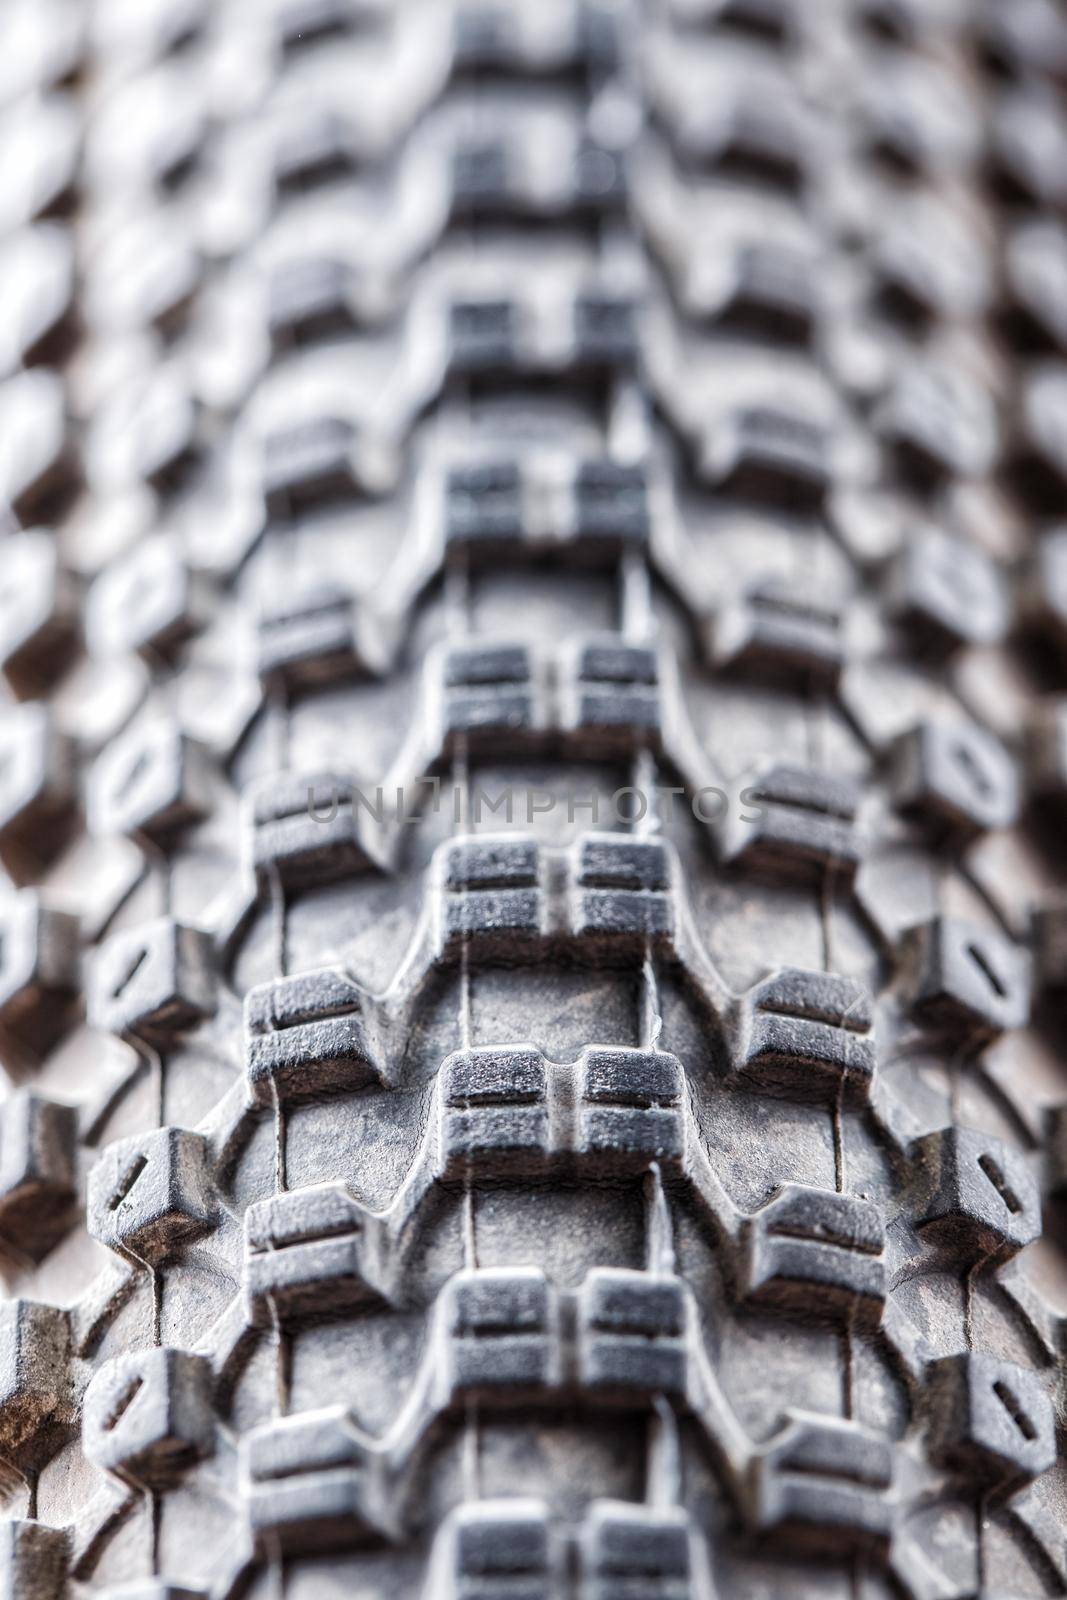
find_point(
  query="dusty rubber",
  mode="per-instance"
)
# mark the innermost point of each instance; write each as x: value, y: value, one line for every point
x: 532, y: 784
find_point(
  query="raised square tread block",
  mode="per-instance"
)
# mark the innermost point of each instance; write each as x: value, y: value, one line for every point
x: 807, y: 1036
x: 307, y: 1036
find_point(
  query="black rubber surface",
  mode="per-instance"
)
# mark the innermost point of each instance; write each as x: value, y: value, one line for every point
x: 533, y: 773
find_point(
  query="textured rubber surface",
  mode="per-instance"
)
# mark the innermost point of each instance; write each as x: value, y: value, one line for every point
x: 629, y: 1170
